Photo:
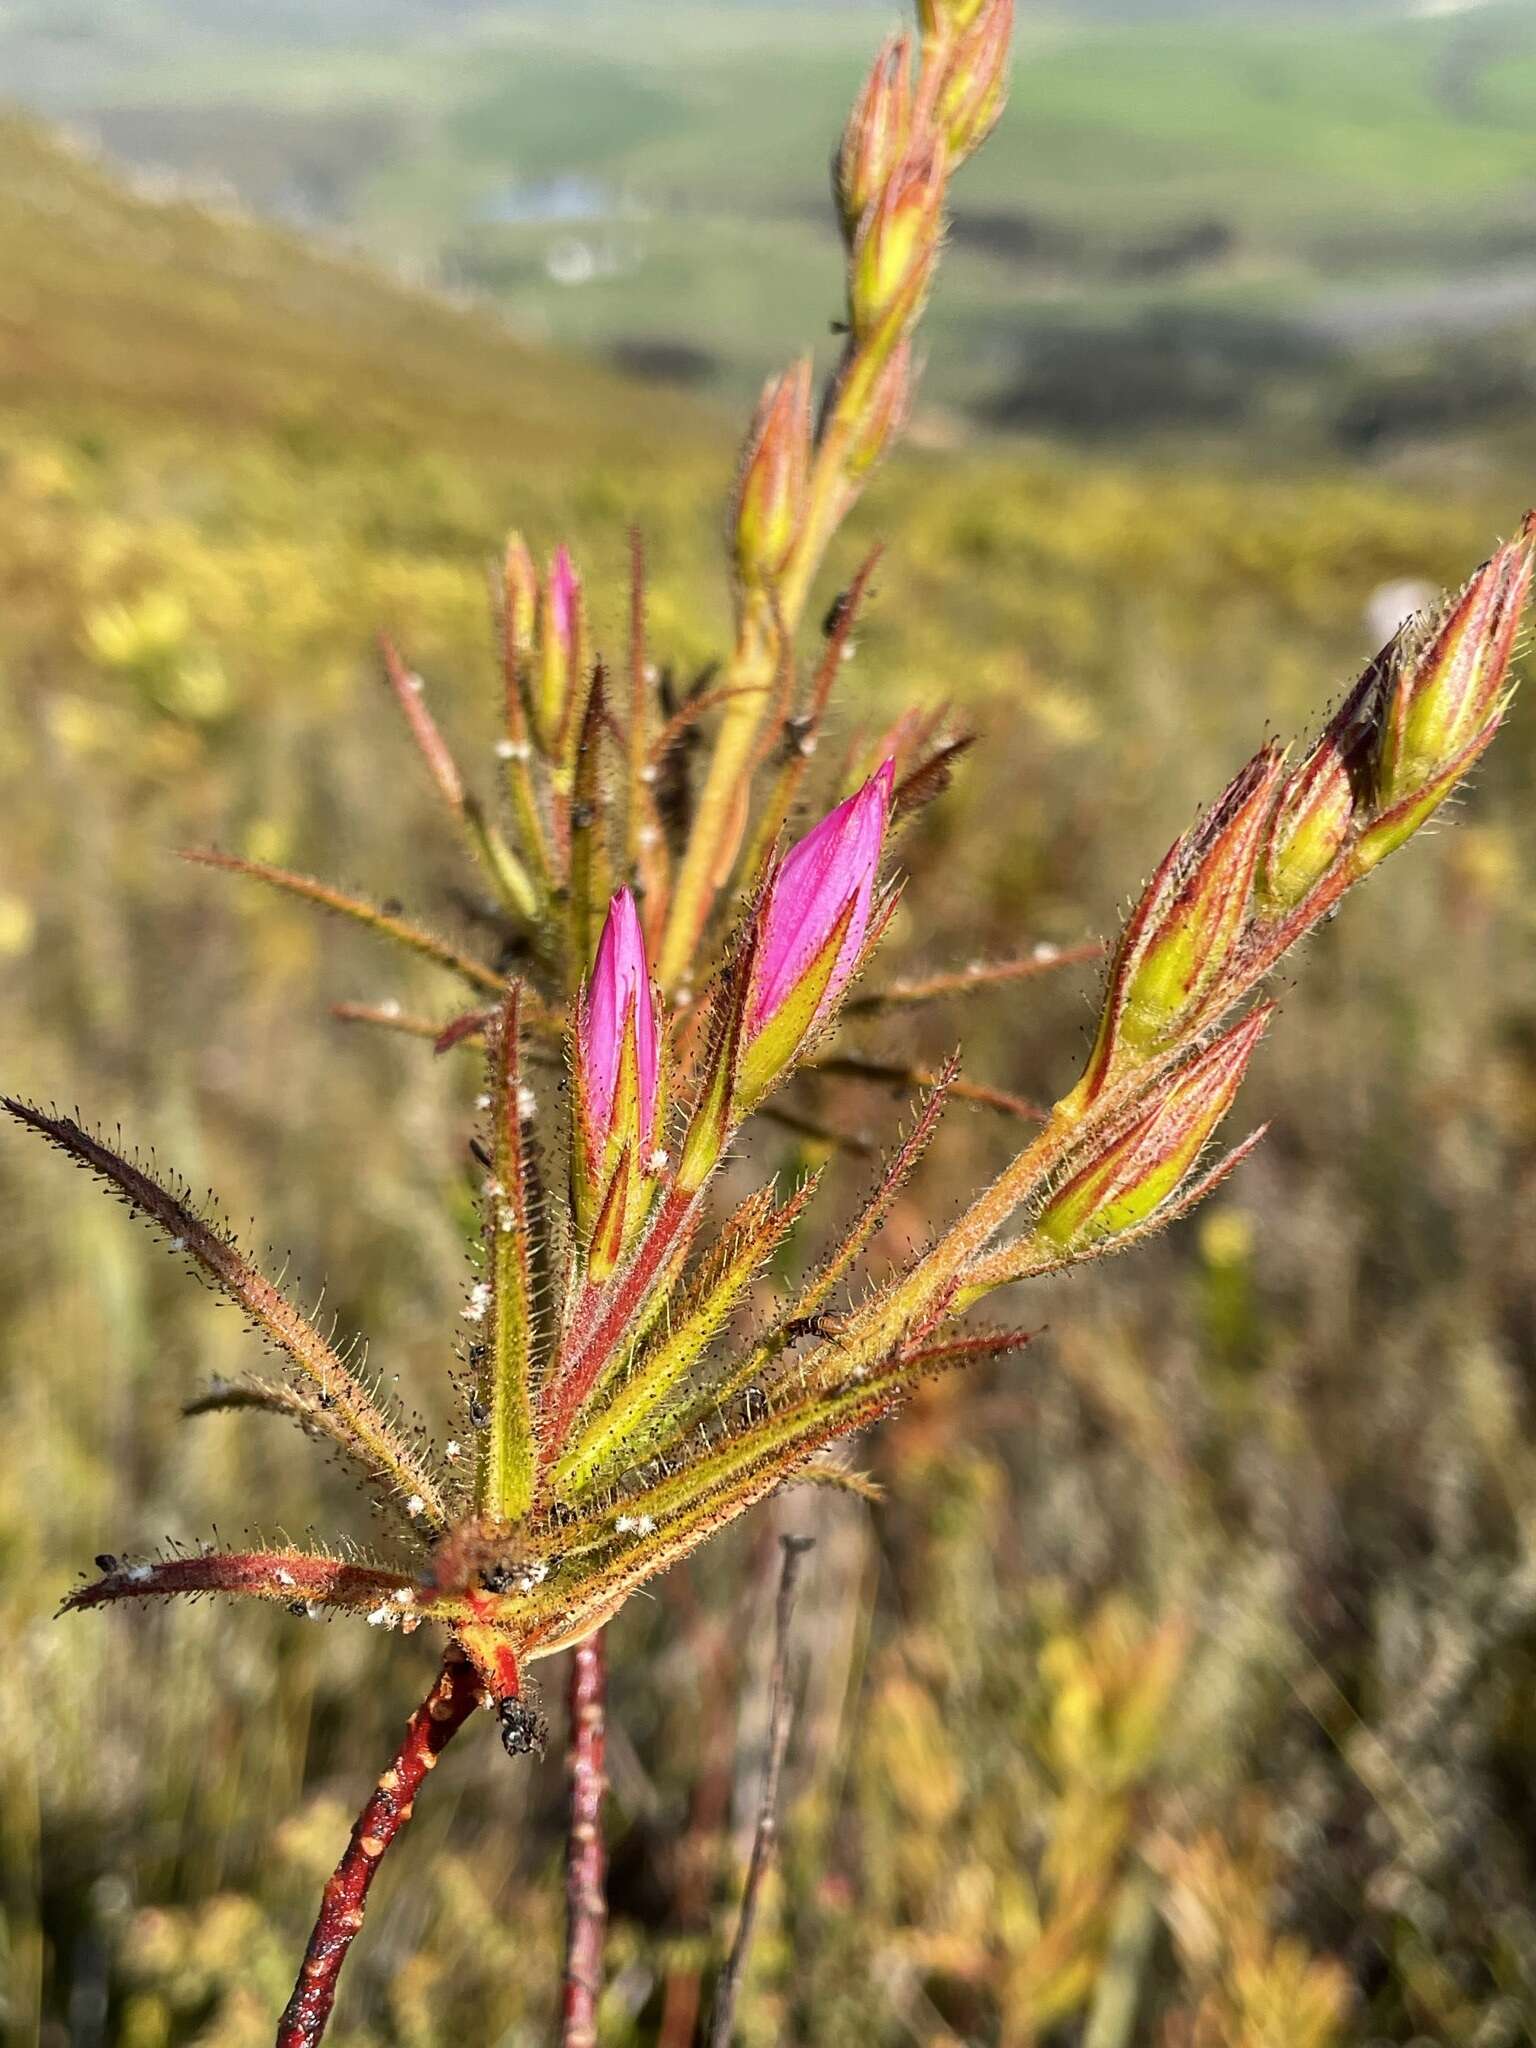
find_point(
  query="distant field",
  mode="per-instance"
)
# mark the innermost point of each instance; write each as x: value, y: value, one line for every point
x: 1278, y: 210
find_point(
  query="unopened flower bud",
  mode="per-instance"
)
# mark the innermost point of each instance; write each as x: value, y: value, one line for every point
x: 775, y: 463
x: 898, y: 242
x: 1180, y: 936
x: 560, y: 648
x: 1319, y: 802
x: 618, y: 1060
x: 1149, y: 1161
x: 976, y: 83
x: 1445, y: 689
x: 811, y: 928
x: 876, y: 136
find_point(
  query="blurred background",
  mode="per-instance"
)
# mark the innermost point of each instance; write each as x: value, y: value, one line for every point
x: 1182, y: 1690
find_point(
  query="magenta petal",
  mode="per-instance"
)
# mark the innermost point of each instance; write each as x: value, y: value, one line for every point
x: 837, y: 861
x: 620, y: 981
x: 562, y: 594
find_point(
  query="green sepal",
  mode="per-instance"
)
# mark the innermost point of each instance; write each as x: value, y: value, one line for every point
x: 615, y: 1438
x: 774, y: 1048
x: 505, y: 1468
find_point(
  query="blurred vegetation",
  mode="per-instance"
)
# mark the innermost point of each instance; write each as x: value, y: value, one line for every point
x: 1180, y: 1691
x: 1270, y: 220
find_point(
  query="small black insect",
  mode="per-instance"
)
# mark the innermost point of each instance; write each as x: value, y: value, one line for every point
x: 105, y: 1561
x: 837, y: 611
x: 479, y: 1414
x: 813, y: 1326
x: 524, y: 1731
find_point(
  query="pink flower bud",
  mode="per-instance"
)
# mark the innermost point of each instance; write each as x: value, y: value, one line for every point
x: 619, y: 1018
x: 563, y: 592
x: 876, y: 135
x: 560, y: 649
x: 811, y: 930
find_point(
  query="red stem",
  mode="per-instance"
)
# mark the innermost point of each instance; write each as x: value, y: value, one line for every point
x: 430, y: 1729
x: 606, y: 1312
x: 585, y: 1858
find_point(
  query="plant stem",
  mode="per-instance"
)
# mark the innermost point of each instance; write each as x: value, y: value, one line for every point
x: 585, y: 1858
x: 430, y: 1729
x: 720, y: 816
x: 781, y: 1714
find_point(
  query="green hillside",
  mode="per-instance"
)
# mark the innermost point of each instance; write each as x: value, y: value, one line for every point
x: 1287, y: 208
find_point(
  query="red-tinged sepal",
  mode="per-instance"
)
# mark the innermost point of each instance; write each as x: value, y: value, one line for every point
x: 1136, y: 1167
x: 769, y: 505
x: 943, y: 20
x: 883, y: 414
x: 974, y: 1347
x: 714, y: 1115
x: 1182, y: 934
x: 876, y: 137
x: 1446, y: 677
x: 975, y: 83
x: 295, y: 1578
x: 606, y: 1246
x: 897, y: 246
x: 1314, y: 819
x: 1390, y: 828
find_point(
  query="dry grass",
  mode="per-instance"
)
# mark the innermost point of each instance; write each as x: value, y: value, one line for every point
x: 1184, y: 1673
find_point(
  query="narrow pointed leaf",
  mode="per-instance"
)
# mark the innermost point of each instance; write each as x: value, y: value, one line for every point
x: 377, y: 1439
x: 384, y: 923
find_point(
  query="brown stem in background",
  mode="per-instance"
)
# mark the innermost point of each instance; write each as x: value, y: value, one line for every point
x: 715, y: 1654
x: 428, y: 1732
x: 781, y: 1714
x: 585, y: 1859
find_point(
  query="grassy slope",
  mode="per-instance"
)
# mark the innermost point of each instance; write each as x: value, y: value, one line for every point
x: 224, y: 461
x: 1407, y: 140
